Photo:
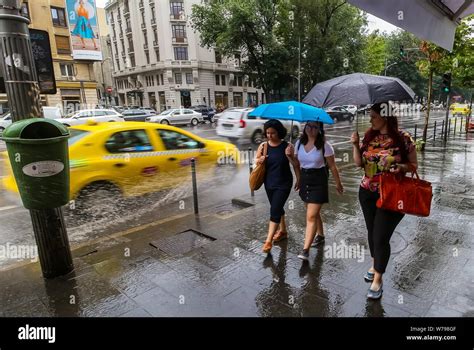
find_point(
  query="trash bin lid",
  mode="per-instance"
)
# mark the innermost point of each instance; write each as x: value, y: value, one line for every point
x: 35, y: 129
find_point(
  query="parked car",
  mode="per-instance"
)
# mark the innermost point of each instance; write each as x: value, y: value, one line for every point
x: 109, y: 160
x: 351, y: 108
x: 151, y: 110
x: 48, y: 112
x: 137, y: 115
x: 207, y: 112
x: 177, y: 117
x: 470, y: 125
x: 339, y: 114
x: 238, y: 126
x: 98, y: 115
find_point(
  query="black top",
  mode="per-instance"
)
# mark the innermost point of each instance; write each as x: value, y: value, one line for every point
x: 278, y: 174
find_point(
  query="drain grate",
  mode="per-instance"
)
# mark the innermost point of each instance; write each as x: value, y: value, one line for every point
x: 182, y: 242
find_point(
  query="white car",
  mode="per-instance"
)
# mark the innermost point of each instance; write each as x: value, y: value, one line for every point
x: 5, y: 120
x: 98, y: 115
x: 177, y: 117
x: 351, y: 108
x: 48, y: 112
x: 238, y: 126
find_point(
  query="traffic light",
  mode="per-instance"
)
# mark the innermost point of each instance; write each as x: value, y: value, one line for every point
x: 446, y: 85
x: 402, y: 51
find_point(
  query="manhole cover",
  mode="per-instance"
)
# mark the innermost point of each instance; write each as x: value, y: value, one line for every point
x: 182, y: 242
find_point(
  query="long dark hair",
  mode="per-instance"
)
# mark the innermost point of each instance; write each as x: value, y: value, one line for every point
x: 320, y: 138
x: 277, y: 125
x: 393, y: 133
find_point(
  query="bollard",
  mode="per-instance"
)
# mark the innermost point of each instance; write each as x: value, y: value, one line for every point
x: 434, y: 132
x: 455, y: 123
x: 195, y: 194
x: 460, y: 126
x: 449, y: 127
x: 442, y: 129
x: 415, y: 131
x: 250, y: 168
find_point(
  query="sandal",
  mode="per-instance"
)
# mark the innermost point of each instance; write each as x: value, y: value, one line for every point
x: 267, y: 247
x: 279, y: 236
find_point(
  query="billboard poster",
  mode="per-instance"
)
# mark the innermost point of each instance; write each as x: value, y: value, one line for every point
x: 84, y: 29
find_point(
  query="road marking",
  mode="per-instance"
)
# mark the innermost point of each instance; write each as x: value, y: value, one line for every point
x: 340, y: 143
x: 8, y: 207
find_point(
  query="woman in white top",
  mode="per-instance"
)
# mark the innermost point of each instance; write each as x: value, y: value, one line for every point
x: 314, y: 180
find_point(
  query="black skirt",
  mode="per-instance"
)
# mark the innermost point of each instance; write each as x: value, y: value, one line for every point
x: 314, y: 186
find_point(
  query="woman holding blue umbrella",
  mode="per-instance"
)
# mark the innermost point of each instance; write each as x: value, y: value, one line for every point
x: 315, y: 156
x: 278, y: 178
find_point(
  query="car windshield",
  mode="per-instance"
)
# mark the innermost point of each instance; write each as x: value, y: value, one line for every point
x: 76, y: 135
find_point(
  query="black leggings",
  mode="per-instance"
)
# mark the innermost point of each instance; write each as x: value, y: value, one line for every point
x: 380, y: 226
x: 277, y: 198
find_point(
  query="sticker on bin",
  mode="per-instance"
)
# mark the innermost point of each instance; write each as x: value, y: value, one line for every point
x: 43, y: 169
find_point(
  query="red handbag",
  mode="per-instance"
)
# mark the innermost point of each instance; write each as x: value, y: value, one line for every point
x: 403, y: 194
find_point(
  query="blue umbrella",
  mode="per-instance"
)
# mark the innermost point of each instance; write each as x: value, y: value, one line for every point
x: 292, y: 110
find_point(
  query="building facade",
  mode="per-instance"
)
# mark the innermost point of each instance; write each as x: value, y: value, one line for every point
x: 75, y: 80
x: 158, y: 61
x: 106, y: 94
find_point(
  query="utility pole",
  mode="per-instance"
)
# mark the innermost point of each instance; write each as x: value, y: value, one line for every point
x: 22, y: 88
x: 299, y: 68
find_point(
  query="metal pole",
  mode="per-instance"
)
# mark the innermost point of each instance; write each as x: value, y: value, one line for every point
x: 447, y: 116
x: 21, y: 84
x: 434, y: 132
x: 195, y: 194
x: 252, y: 193
x: 442, y: 129
x: 299, y: 69
x: 455, y: 123
x: 449, y: 126
x: 415, y: 131
x: 460, y: 126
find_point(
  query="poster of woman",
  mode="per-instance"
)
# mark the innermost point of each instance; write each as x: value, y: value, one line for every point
x: 84, y: 29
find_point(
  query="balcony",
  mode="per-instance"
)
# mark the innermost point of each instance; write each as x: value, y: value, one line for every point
x: 145, y: 47
x: 126, y: 12
x: 153, y: 21
x: 151, y: 2
x: 180, y: 40
x: 140, y: 4
x: 178, y: 16
x: 131, y: 50
x: 121, y: 35
x: 143, y: 25
x: 155, y: 43
x: 123, y: 54
x: 128, y: 30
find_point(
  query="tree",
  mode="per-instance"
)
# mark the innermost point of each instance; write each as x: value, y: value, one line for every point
x: 375, y: 53
x: 251, y: 28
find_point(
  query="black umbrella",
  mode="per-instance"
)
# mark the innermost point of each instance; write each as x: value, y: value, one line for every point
x: 358, y: 89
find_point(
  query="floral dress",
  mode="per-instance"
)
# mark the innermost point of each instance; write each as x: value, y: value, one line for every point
x: 380, y: 155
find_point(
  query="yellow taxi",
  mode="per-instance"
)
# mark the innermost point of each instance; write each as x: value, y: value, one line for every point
x: 459, y: 109
x: 134, y: 158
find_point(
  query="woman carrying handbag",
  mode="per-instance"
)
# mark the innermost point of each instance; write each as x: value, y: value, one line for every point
x: 278, y: 178
x: 384, y: 149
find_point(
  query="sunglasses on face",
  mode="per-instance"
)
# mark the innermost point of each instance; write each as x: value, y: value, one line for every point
x: 309, y: 126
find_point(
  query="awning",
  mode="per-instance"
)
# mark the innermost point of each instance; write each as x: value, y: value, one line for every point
x: 432, y: 20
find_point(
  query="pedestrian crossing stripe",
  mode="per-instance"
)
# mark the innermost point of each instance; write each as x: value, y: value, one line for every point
x: 153, y: 154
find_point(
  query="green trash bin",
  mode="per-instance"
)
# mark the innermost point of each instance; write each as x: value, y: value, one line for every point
x: 39, y: 156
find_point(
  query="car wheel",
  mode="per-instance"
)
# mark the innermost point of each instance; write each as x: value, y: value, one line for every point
x: 194, y: 122
x: 98, y: 200
x: 67, y: 125
x: 164, y: 121
x: 211, y: 119
x: 257, y: 137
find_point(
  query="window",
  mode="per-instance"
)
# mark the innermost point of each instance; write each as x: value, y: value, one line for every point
x: 218, y: 57
x: 147, y: 55
x: 239, y: 81
x: 155, y: 35
x: 162, y: 80
x: 128, y: 142
x: 177, y: 8
x: 25, y: 10
x: 179, y: 32
x: 174, y: 140
x: 157, y: 52
x: 132, y: 60
x: 178, y: 79
x: 181, y: 53
x: 237, y: 59
x: 218, y: 80
x: 67, y: 69
x: 62, y: 44
x: 222, y: 79
x: 189, y: 78
x: 59, y: 16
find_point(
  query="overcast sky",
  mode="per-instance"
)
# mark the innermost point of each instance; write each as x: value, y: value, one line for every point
x: 374, y: 22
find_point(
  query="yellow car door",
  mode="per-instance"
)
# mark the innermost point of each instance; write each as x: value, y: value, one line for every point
x: 131, y: 161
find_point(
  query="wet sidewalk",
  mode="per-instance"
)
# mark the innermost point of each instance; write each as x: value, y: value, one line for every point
x: 212, y: 265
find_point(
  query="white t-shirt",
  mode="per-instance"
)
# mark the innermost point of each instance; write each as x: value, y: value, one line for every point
x: 314, y: 158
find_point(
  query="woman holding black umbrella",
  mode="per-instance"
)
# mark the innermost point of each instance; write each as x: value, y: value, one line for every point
x: 384, y: 148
